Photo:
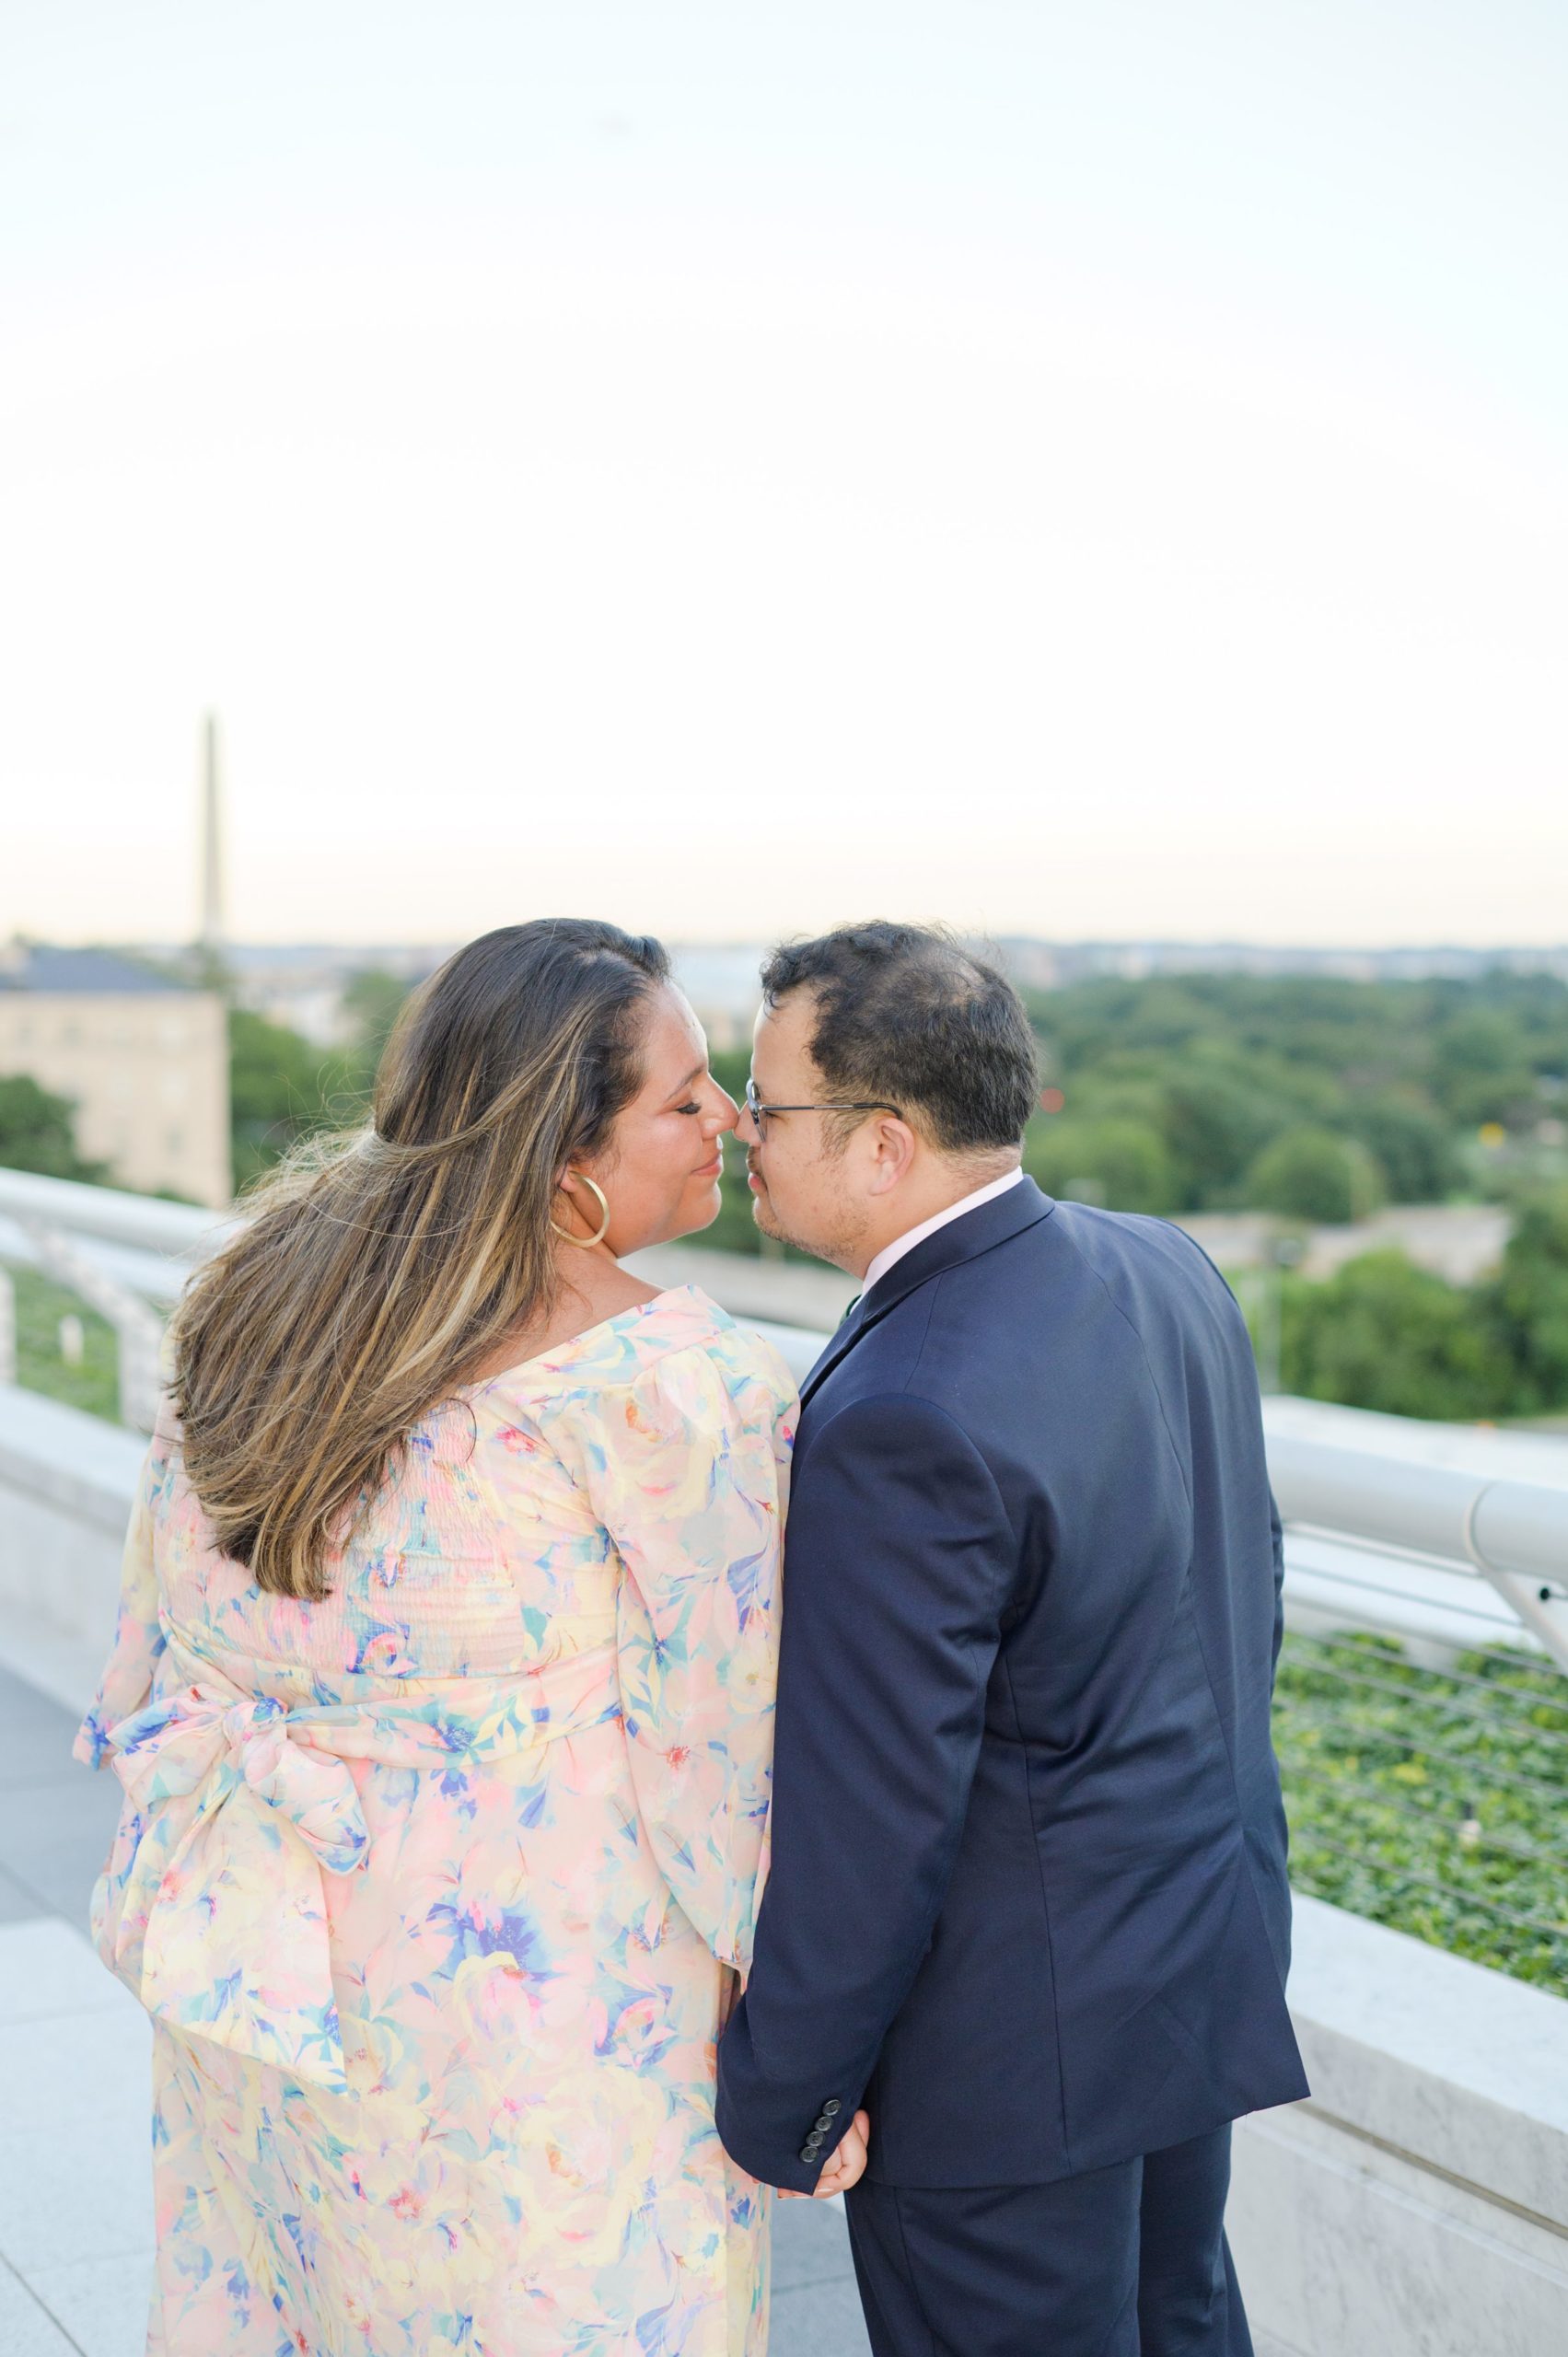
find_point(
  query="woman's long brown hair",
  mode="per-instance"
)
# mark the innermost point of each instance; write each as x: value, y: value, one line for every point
x: 380, y: 1268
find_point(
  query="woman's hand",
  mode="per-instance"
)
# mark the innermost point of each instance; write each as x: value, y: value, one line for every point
x: 847, y: 2168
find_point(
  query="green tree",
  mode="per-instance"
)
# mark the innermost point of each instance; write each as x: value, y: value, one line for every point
x: 281, y: 1088
x: 1313, y: 1174
x: 1221, y: 1063
x: 1530, y: 1301
x: 1482, y: 1071
x: 1411, y: 1146
x: 372, y: 1002
x: 1122, y: 1164
x: 1216, y: 1124
x: 38, y: 1133
x: 1384, y: 1334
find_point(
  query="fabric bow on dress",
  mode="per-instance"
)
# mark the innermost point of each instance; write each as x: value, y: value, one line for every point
x: 230, y: 1798
x: 213, y: 1909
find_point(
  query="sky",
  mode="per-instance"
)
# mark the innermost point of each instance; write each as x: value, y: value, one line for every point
x: 1096, y: 471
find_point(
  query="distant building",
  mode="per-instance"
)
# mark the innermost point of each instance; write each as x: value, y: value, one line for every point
x: 301, y: 985
x: 145, y: 1062
x: 1044, y: 965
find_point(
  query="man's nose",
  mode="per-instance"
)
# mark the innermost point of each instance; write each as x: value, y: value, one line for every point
x: 746, y: 1129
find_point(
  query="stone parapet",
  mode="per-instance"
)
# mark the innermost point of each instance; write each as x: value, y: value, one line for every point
x: 1417, y: 2206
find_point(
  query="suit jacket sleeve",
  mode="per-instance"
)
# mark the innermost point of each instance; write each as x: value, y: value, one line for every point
x: 900, y: 1561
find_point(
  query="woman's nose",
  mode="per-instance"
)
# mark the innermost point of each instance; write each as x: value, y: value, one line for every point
x: 723, y: 1114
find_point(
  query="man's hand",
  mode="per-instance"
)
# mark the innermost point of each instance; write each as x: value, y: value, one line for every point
x: 847, y: 2168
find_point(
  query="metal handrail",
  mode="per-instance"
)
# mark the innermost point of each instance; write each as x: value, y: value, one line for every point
x: 1514, y: 1534
x: 138, y: 1332
x: 1510, y: 1535
x: 146, y: 1222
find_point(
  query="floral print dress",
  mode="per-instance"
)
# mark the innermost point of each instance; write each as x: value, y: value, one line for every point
x: 436, y: 1889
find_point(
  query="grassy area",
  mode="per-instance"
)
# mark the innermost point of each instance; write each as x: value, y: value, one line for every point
x: 40, y: 1304
x: 1434, y: 1801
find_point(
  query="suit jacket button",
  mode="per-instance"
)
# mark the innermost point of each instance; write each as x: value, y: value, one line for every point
x: 832, y: 2108
x: 823, y: 2125
x: 809, y: 2153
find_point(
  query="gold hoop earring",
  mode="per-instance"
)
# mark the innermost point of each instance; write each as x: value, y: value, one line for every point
x: 584, y: 1243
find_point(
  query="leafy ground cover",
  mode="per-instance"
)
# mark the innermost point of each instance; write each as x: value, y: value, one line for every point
x: 1435, y: 1802
x: 40, y: 1304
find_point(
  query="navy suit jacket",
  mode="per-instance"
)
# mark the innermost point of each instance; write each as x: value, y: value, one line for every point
x: 1028, y: 1896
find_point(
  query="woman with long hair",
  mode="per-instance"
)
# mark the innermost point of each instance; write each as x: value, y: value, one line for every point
x: 442, y: 1696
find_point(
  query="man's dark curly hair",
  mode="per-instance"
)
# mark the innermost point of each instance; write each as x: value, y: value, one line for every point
x: 907, y: 1015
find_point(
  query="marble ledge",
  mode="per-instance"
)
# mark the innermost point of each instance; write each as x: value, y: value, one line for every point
x: 63, y: 1458
x: 1459, y: 2067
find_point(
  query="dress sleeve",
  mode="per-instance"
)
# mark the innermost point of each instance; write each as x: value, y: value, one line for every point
x: 138, y: 1633
x: 687, y: 1468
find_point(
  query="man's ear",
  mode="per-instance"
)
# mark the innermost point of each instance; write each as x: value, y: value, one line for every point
x: 895, y: 1149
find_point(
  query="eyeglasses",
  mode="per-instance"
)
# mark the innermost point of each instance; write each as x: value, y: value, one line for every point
x: 758, y: 1112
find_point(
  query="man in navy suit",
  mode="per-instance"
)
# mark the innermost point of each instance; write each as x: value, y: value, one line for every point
x: 1027, y: 1899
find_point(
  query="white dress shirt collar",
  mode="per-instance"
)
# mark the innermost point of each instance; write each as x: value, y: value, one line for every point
x: 907, y: 1242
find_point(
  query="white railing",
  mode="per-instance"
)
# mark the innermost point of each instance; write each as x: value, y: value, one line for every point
x: 1445, y: 1559
x: 105, y: 1215
x: 138, y: 1331
x: 1422, y: 1550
